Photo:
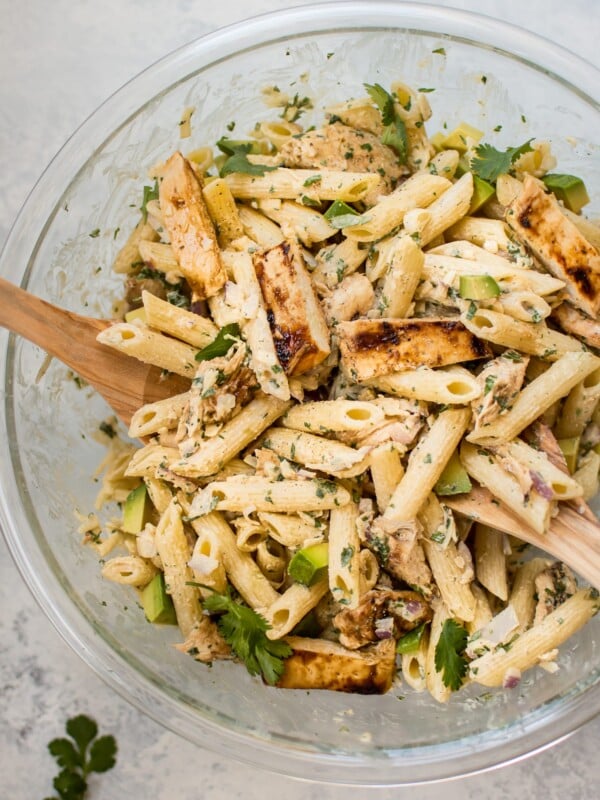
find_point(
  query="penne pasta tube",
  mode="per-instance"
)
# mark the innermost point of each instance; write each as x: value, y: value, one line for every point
x: 240, y: 567
x: 526, y: 306
x: 532, y: 508
x: 327, y: 416
x: 578, y: 408
x: 129, y: 254
x: 490, y: 560
x: 223, y: 211
x: 386, y: 473
x: 483, y: 232
x: 129, y: 570
x: 450, y: 386
x: 146, y: 460
x: 560, y: 483
x: 177, y: 322
x: 425, y: 465
x: 533, y: 338
x: 174, y: 551
x: 414, y: 665
x: 336, y: 262
x: 260, y: 228
x: 443, y: 212
x: 151, y: 348
x: 404, y: 263
x: 290, y: 530
x: 523, y: 592
x: 297, y: 221
x: 207, y: 563
x: 316, y: 452
x: 344, y: 548
x: 161, y: 415
x: 492, y: 668
x: 483, y: 610
x: 159, y: 256
x: 418, y: 191
x: 261, y: 494
x: 369, y: 570
x: 293, y: 184
x: 536, y: 397
x: 286, y: 612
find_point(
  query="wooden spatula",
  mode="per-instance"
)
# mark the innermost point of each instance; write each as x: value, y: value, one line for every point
x: 125, y: 383
x: 572, y: 537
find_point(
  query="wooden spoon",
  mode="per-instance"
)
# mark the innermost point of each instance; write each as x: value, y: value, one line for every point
x: 572, y: 538
x: 124, y: 382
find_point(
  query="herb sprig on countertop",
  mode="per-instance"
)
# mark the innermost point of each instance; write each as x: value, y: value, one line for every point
x: 84, y: 752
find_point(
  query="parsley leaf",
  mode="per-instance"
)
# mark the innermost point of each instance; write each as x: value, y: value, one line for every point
x: 449, y: 659
x: 245, y: 631
x: 489, y: 163
x: 221, y: 344
x: 394, y: 132
x: 72, y: 757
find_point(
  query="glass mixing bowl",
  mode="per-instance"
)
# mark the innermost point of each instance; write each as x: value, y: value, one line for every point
x: 484, y: 72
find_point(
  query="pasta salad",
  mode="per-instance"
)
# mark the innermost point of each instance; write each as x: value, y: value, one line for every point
x: 375, y: 324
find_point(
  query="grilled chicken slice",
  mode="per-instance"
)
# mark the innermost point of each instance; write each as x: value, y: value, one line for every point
x: 320, y: 664
x: 552, y: 587
x: 403, y: 610
x: 373, y: 347
x: 340, y: 147
x: 190, y: 228
x: 300, y: 333
x: 536, y: 217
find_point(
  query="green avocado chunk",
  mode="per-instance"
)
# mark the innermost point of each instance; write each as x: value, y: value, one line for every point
x: 570, y: 450
x: 482, y: 191
x: 478, y: 287
x: 136, y: 510
x: 454, y: 479
x: 308, y: 564
x: 568, y: 188
x: 157, y: 604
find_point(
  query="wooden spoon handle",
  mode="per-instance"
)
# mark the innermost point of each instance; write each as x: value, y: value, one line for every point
x: 572, y: 538
x: 60, y: 333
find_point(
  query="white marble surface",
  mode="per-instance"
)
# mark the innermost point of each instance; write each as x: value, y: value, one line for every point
x: 58, y: 61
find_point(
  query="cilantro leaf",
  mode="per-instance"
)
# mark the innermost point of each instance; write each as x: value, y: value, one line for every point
x: 245, y: 631
x: 394, y: 131
x: 238, y: 150
x: 69, y: 785
x: 341, y: 215
x: 102, y: 754
x: 449, y: 659
x: 82, y: 730
x: 221, y: 344
x: 150, y: 193
x: 489, y: 163
x: 65, y: 753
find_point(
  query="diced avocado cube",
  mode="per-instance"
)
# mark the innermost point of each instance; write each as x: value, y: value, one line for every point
x: 437, y: 140
x: 136, y: 510
x: 454, y: 478
x: 568, y: 188
x: 137, y: 313
x: 157, y: 604
x: 409, y: 643
x: 308, y: 626
x: 482, y: 191
x: 570, y: 450
x: 464, y: 165
x: 478, y: 287
x: 308, y: 564
x: 463, y: 136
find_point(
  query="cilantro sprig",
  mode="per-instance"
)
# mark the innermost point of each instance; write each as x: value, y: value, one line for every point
x: 84, y: 752
x: 221, y: 344
x: 150, y: 193
x: 394, y: 131
x: 245, y: 632
x: 488, y: 163
x: 341, y: 215
x: 237, y: 161
x: 449, y: 658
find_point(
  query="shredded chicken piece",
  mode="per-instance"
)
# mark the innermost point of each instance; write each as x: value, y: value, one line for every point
x: 205, y: 643
x: 520, y: 472
x: 500, y: 380
x: 359, y: 626
x: 400, y: 554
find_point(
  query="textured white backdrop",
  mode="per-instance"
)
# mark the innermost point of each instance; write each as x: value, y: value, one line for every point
x: 58, y: 61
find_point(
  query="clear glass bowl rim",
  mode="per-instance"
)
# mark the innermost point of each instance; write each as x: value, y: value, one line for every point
x: 419, y: 765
